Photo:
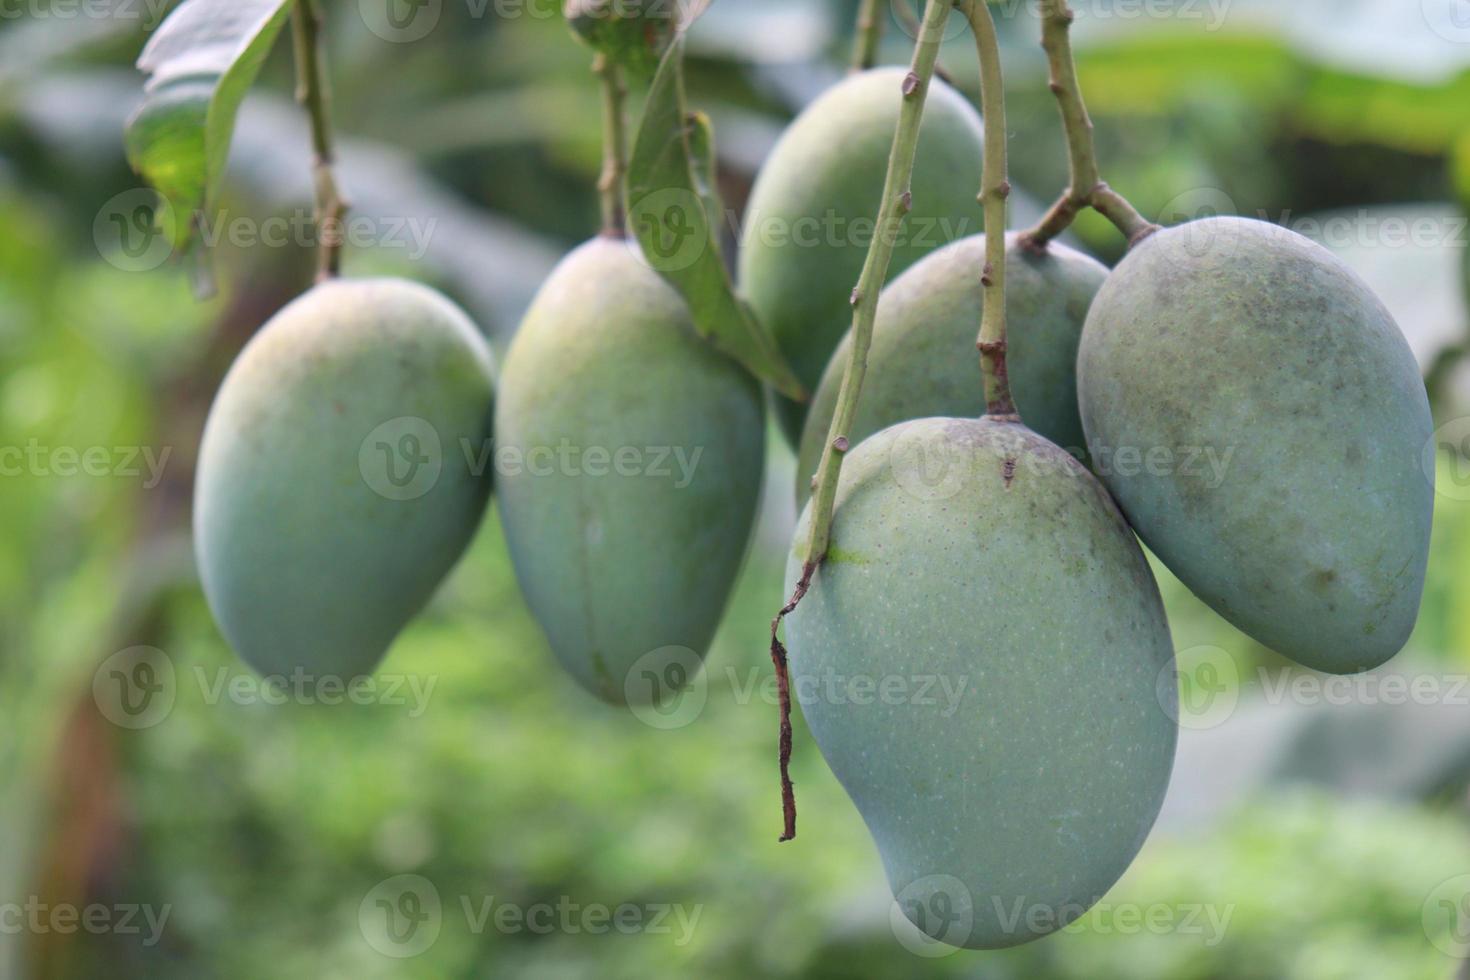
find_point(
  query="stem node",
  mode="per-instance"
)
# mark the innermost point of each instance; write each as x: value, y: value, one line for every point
x: 1086, y: 187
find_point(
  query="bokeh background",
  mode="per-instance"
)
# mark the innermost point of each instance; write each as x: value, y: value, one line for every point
x: 1315, y: 828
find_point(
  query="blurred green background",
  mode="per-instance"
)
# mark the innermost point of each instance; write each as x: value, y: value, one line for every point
x: 1313, y: 830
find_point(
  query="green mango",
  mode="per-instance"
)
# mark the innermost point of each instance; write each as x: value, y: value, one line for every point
x: 334, y: 488
x: 1260, y: 419
x: 924, y: 362
x: 811, y: 214
x: 620, y: 562
x: 984, y: 661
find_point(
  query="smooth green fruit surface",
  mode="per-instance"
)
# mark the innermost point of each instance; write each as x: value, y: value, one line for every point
x: 984, y: 660
x: 1260, y: 418
x: 333, y: 491
x: 924, y: 363
x: 642, y: 452
x: 811, y: 214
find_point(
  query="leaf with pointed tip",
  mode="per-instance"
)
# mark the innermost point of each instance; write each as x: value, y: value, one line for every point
x: 675, y: 213
x: 201, y: 60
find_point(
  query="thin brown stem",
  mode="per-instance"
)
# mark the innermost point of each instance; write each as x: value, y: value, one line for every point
x: 314, y: 93
x: 995, y: 188
x: 1086, y: 188
x: 611, y: 182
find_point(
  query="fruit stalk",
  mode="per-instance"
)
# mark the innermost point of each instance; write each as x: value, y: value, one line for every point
x: 995, y: 188
x: 315, y: 95
x: 897, y: 200
x: 869, y: 34
x: 1087, y: 188
x: 613, y: 179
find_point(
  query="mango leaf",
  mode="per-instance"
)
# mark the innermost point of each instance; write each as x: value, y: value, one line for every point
x: 201, y: 60
x: 675, y: 213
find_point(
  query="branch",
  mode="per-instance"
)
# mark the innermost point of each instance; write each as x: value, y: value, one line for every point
x: 1087, y: 188
x: 869, y: 33
x: 610, y: 185
x: 995, y: 188
x: 896, y: 203
x: 314, y: 93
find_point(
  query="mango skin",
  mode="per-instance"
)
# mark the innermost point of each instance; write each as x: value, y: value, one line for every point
x: 924, y: 362
x: 1014, y: 572
x: 616, y: 567
x: 306, y: 564
x: 810, y: 218
x: 1237, y: 337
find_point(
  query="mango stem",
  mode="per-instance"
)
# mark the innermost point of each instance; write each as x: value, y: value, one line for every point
x: 896, y: 203
x: 995, y: 188
x: 1086, y: 188
x: 314, y: 93
x: 611, y: 183
x: 869, y: 34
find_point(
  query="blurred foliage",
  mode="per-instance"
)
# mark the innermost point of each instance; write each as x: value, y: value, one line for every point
x: 264, y: 828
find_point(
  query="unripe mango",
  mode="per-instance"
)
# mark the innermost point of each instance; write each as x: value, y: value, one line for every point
x: 333, y: 492
x: 924, y: 362
x: 1260, y: 419
x: 642, y: 449
x: 811, y: 214
x: 984, y: 661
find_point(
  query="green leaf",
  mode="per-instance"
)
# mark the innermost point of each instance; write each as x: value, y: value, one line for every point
x: 675, y: 213
x: 632, y: 33
x: 202, y: 60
